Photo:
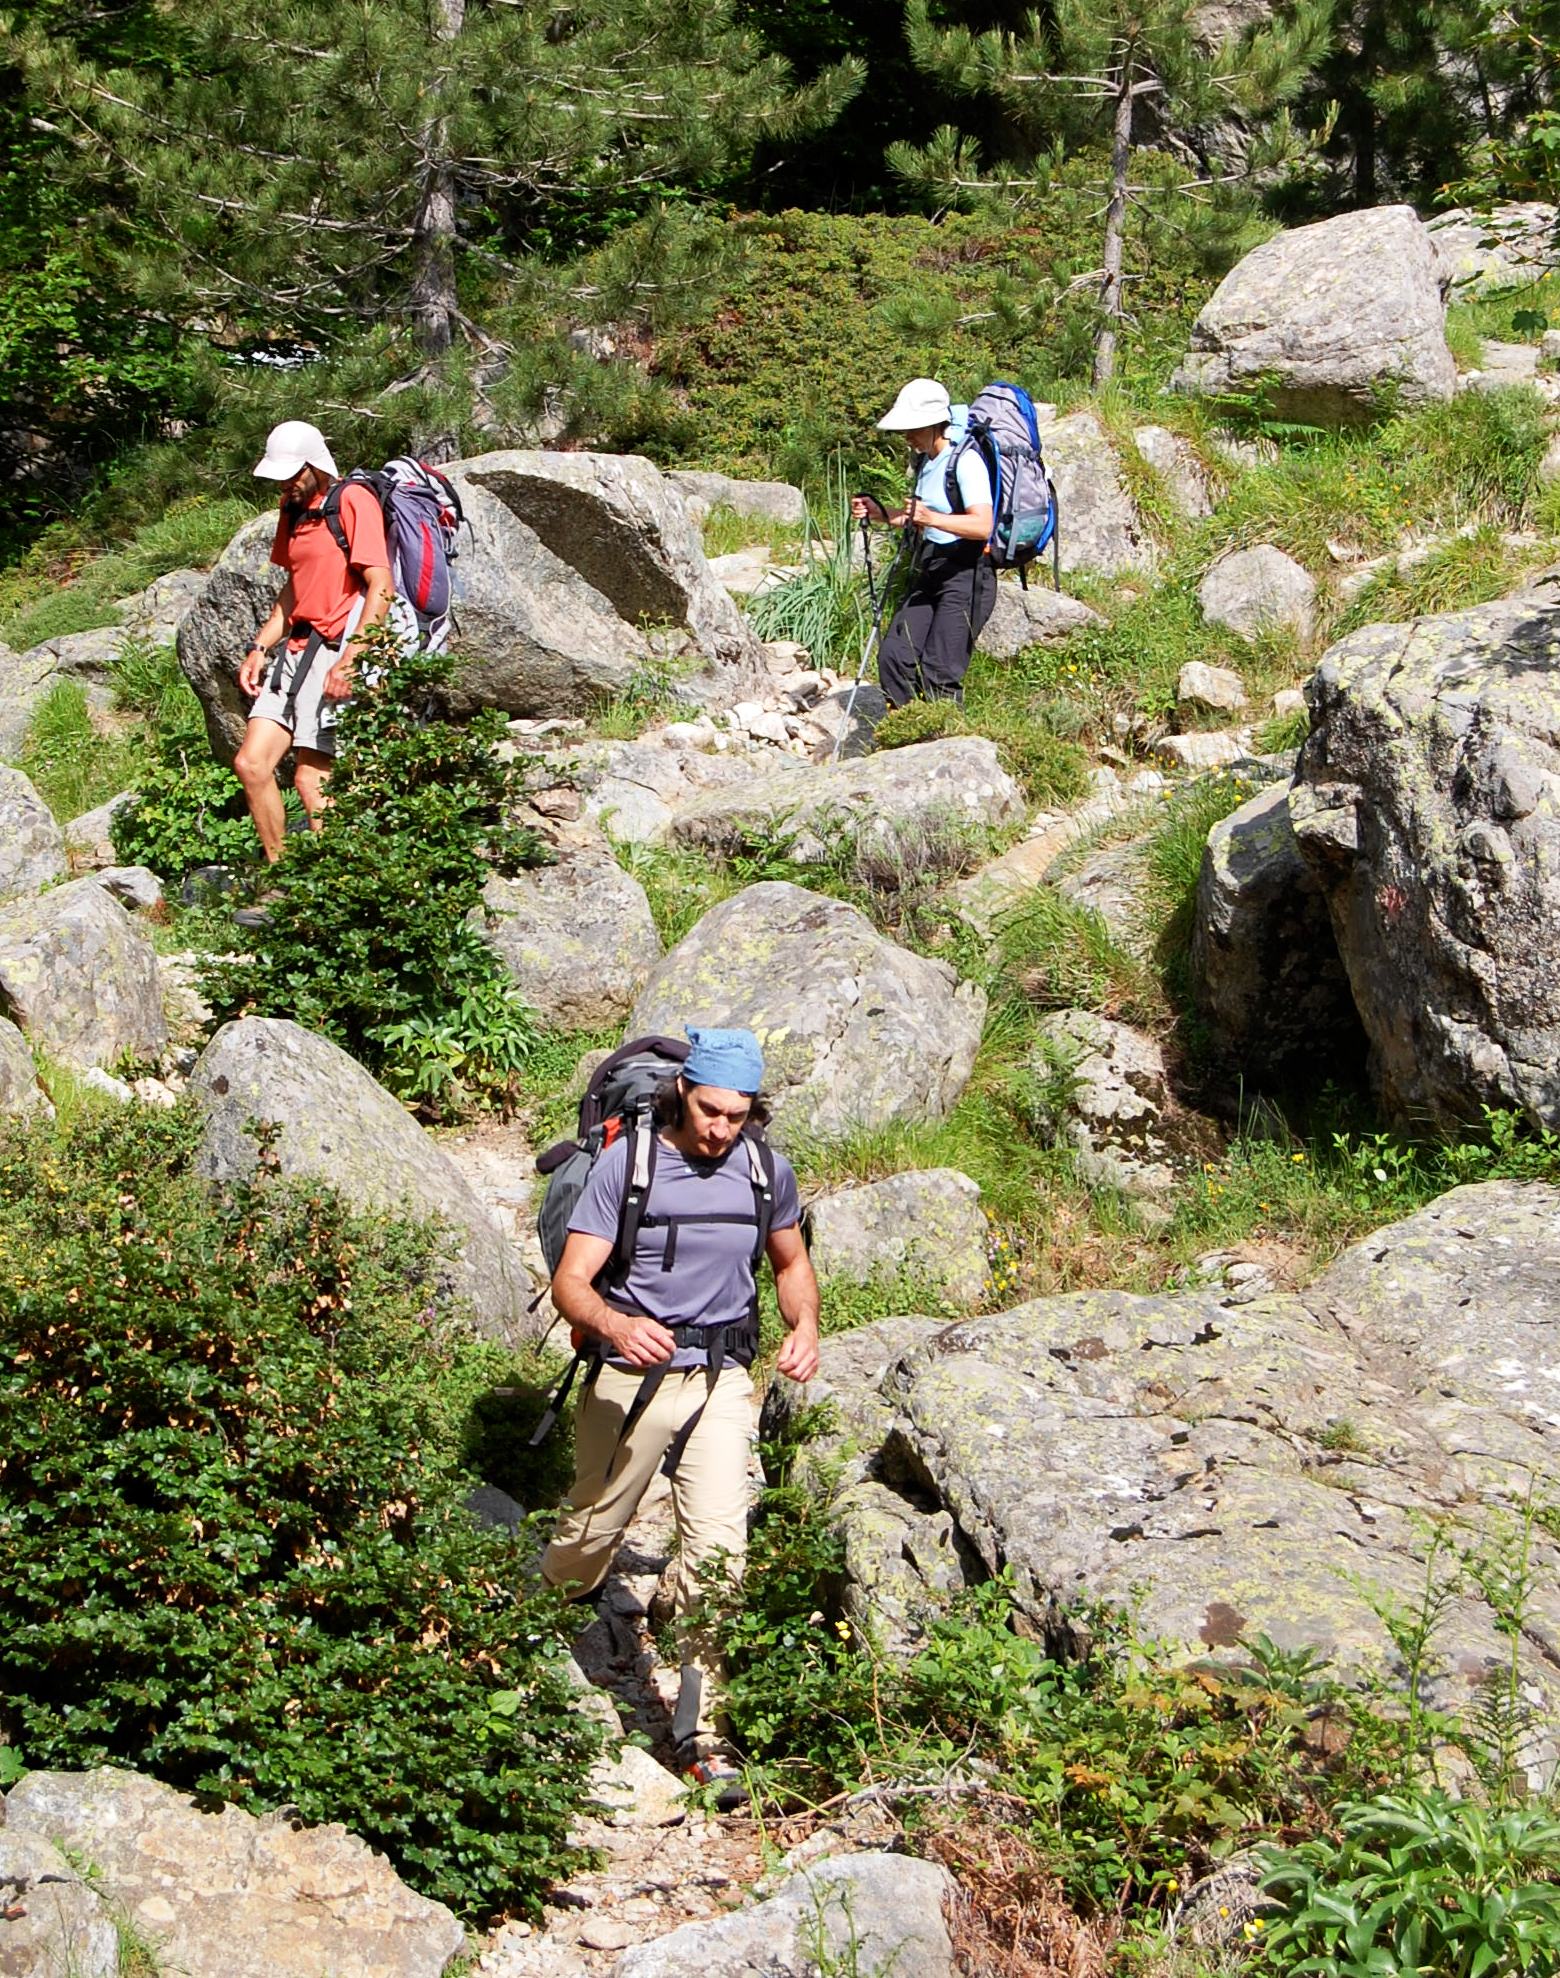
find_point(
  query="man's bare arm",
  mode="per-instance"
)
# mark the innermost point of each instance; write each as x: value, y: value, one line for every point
x: 796, y: 1288
x: 642, y: 1342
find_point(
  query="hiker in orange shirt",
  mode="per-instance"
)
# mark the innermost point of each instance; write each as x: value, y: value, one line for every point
x: 298, y: 669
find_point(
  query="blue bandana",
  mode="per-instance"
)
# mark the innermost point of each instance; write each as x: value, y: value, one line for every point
x: 729, y: 1059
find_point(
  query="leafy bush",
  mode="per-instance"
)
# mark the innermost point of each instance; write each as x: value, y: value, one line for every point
x: 188, y: 811
x: 233, y: 1548
x: 370, y: 940
x: 1417, y: 1883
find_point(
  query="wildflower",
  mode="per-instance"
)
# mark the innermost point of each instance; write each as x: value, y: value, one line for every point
x: 1298, y: 1159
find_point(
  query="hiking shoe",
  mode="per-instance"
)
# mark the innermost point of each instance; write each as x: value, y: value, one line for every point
x: 706, y: 1762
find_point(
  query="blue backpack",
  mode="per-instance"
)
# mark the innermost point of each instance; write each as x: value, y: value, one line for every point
x: 1000, y: 425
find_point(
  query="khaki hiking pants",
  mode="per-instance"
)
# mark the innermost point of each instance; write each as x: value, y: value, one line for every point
x: 709, y: 1500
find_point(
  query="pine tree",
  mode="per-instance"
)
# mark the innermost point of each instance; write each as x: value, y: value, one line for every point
x: 344, y: 162
x: 1086, y: 71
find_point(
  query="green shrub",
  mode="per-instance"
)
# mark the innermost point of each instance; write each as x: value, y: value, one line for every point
x: 188, y: 811
x: 1417, y: 1882
x: 233, y: 1546
x: 370, y: 940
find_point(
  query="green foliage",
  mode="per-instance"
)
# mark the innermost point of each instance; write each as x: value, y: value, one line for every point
x: 1471, y: 570
x: 651, y: 695
x: 724, y: 531
x: 681, y: 885
x: 1173, y: 864
x: 71, y: 761
x: 188, y: 811
x: 1051, y: 768
x: 370, y: 939
x: 1415, y: 1882
x: 825, y: 606
x: 235, y: 1551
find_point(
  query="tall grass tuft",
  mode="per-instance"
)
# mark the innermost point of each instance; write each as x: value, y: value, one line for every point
x: 824, y: 606
x: 70, y: 761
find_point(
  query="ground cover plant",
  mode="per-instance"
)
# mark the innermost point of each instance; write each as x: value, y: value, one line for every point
x: 370, y: 938
x: 233, y: 1545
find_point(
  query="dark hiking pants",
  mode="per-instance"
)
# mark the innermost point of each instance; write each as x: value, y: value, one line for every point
x: 927, y: 648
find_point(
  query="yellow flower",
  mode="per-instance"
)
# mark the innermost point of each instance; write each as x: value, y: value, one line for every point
x: 1297, y: 1158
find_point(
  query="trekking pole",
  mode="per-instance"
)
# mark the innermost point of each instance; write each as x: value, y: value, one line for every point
x: 870, y: 646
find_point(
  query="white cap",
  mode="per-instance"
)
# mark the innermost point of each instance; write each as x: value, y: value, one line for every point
x: 294, y: 444
x: 923, y: 402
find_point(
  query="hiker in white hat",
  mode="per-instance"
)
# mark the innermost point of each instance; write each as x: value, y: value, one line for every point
x: 298, y: 669
x: 953, y: 586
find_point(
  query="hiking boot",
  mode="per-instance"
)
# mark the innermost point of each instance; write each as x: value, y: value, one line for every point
x: 707, y: 1762
x: 256, y: 917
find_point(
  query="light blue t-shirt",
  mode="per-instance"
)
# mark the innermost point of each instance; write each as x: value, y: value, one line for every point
x: 931, y: 489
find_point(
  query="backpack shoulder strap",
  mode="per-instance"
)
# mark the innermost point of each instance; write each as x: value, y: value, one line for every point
x: 637, y: 1181
x: 330, y: 515
x: 761, y: 1172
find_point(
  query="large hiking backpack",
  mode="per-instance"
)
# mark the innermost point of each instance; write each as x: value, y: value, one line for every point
x: 423, y: 519
x: 1000, y: 425
x: 618, y: 1104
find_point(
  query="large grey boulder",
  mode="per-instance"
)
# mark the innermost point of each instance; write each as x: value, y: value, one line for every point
x: 19, y: 1092
x: 577, y: 938
x: 1258, y: 590
x: 1037, y: 616
x: 32, y: 845
x: 80, y: 978
x: 768, y: 501
x: 88, y: 657
x: 619, y: 522
x: 336, y: 1124
x: 884, y: 1912
x: 576, y: 569
x: 1265, y: 967
x: 856, y: 1031
x: 90, y: 837
x: 1263, y: 1468
x: 927, y: 1226
x: 1482, y: 253
x: 906, y: 806
x: 1335, y: 319
x: 1100, y: 528
x: 53, y: 1923
x: 225, y: 1895
x: 1427, y: 807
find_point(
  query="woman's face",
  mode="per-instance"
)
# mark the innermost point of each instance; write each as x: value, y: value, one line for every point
x: 926, y: 439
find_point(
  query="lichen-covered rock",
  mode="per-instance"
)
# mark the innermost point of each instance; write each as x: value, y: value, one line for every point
x: 624, y: 527
x: 769, y: 501
x: 1427, y: 807
x: 635, y: 789
x: 926, y: 1225
x: 79, y: 976
x: 1333, y: 318
x: 914, y: 802
x: 1481, y: 253
x: 1181, y: 473
x: 1219, y: 688
x: 89, y: 838
x: 1037, y: 616
x: 1114, y: 1105
x: 1265, y: 967
x: 134, y: 886
x: 155, y: 614
x: 576, y: 938
x: 1259, y: 590
x: 882, y: 1911
x: 1100, y: 527
x: 32, y: 846
x: 335, y: 1123
x: 225, y: 1895
x: 53, y: 1923
x: 856, y: 1031
x: 19, y: 1090
x: 1111, y: 883
x: 88, y: 657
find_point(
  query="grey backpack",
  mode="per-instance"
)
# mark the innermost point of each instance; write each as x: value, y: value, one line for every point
x: 1002, y: 428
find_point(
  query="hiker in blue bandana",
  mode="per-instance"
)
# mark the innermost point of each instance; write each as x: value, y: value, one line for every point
x: 672, y: 1341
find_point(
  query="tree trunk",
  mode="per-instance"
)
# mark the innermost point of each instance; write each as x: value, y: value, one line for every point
x: 1115, y: 226
x: 433, y: 303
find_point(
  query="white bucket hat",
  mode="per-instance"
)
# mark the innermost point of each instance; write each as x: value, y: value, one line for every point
x: 294, y: 444
x: 923, y: 402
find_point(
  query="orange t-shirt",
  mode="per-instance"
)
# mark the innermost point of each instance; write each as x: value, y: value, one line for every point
x: 326, y: 584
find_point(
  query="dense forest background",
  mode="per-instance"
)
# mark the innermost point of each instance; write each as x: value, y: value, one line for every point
x: 705, y: 230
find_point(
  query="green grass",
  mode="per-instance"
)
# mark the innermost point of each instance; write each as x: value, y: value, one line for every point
x: 1174, y: 862
x: 57, y: 616
x: 1029, y: 726
x: 1468, y: 571
x: 725, y: 531
x: 1469, y: 323
x: 825, y: 606
x: 680, y: 885
x: 72, y: 763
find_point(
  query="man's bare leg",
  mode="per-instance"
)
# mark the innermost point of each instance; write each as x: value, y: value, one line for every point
x: 310, y: 779
x: 263, y: 746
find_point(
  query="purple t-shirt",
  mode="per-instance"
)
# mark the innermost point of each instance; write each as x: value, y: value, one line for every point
x: 711, y: 1283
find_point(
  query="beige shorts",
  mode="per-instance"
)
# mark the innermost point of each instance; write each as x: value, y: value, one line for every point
x: 292, y: 693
